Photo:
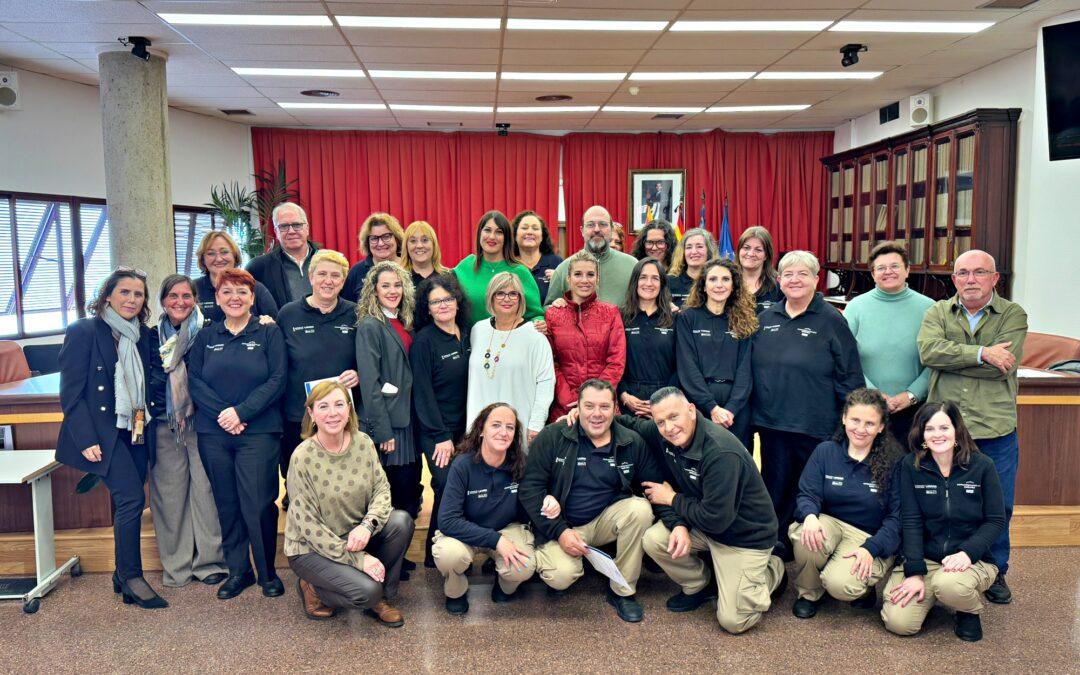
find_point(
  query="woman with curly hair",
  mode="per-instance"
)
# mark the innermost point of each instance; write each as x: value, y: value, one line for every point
x: 805, y: 362
x: 383, y: 339
x: 696, y: 248
x: 847, y: 514
x: 713, y: 334
x: 480, y: 511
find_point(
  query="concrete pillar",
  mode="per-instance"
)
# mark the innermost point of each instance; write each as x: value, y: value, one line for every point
x: 135, y: 126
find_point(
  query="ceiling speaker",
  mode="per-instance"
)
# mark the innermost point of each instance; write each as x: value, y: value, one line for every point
x: 9, y: 91
x: 921, y: 110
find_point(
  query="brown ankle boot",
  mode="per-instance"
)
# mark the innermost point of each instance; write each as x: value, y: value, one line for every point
x: 313, y: 606
x: 386, y: 614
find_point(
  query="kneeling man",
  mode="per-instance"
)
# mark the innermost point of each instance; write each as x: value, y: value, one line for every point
x: 578, y: 490
x: 719, y: 503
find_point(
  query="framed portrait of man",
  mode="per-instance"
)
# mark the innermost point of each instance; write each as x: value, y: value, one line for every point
x: 655, y: 194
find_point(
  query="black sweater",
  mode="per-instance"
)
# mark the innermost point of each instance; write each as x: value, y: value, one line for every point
x: 680, y: 287
x: 708, y: 354
x: 650, y: 356
x: 478, y: 501
x: 550, y: 471
x: 264, y: 302
x: 319, y: 346
x: 835, y: 484
x: 941, y: 516
x: 440, y: 366
x: 269, y: 270
x: 354, y: 282
x: 803, y: 368
x: 766, y: 297
x: 719, y: 491
x: 245, y: 371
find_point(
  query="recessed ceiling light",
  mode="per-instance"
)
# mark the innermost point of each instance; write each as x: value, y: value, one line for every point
x: 755, y: 108
x: 566, y: 77
x: 548, y: 109
x: 667, y: 77
x: 434, y: 74
x: 651, y: 109
x: 755, y: 26
x: 247, y: 19
x: 442, y: 108
x: 301, y: 72
x: 819, y: 75
x: 445, y: 23
x: 320, y: 93
x: 575, y: 24
x: 911, y: 26
x: 304, y: 105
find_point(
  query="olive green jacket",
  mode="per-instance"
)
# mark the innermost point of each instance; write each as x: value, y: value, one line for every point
x: 986, y: 396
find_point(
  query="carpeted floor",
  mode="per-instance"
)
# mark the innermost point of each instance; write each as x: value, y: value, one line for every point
x: 83, y: 627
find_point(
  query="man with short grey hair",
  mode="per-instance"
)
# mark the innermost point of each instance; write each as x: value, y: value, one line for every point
x: 973, y: 343
x: 284, y: 269
x: 615, y: 266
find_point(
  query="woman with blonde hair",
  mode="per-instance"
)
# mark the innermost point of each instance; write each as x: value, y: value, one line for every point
x: 218, y: 252
x: 383, y: 339
x: 343, y: 538
x: 381, y: 239
x: 714, y: 332
x: 421, y: 256
x: 696, y: 248
x: 510, y: 360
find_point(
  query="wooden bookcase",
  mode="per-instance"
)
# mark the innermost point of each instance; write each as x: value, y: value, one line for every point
x: 941, y: 190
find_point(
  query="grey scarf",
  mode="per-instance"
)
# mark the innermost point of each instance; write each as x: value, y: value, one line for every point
x: 130, y: 383
x: 178, y: 405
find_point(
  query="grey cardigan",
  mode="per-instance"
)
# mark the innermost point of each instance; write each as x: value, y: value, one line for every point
x: 381, y: 359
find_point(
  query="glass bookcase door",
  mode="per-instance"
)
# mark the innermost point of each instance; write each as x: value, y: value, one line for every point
x: 901, y: 214
x: 866, y: 210
x: 881, y: 200
x: 939, y: 235
x: 849, y: 214
x: 963, y: 222
x: 834, y: 215
x: 919, y: 194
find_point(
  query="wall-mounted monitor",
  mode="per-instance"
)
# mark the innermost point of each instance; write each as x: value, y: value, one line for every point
x: 1061, y: 59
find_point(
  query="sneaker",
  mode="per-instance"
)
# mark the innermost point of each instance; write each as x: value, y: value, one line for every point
x: 627, y: 607
x: 681, y: 602
x: 500, y: 596
x: 968, y: 627
x: 457, y: 606
x: 999, y: 592
x: 805, y: 609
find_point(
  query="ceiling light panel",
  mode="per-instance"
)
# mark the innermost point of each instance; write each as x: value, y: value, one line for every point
x: 549, y: 109
x: 651, y: 109
x: 433, y: 74
x: 247, y: 19
x: 300, y: 72
x: 756, y: 108
x: 691, y: 76
x: 440, y: 23
x: 818, y: 75
x: 911, y: 26
x: 749, y: 26
x: 441, y: 108
x: 564, y: 77
x: 585, y: 24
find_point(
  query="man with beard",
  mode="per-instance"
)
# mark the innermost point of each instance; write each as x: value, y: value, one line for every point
x: 615, y: 267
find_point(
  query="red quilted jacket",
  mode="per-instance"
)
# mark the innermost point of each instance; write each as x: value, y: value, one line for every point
x: 587, y: 341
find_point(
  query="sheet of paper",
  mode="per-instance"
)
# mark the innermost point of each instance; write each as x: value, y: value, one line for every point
x: 1032, y: 372
x: 603, y: 564
x: 309, y: 385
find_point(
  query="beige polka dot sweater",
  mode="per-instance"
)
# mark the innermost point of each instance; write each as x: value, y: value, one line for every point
x: 330, y: 494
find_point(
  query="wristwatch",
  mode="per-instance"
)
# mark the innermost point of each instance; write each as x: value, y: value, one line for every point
x: 912, y: 398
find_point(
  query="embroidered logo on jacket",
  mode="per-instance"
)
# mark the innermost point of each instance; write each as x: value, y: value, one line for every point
x: 251, y: 345
x: 806, y: 332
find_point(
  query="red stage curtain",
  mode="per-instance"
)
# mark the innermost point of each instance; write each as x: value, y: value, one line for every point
x: 775, y: 180
x: 449, y: 180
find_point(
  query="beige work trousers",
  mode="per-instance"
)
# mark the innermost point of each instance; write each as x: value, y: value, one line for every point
x: 828, y: 570
x: 453, y: 558
x: 962, y: 591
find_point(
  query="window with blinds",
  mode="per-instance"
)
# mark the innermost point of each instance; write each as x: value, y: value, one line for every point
x: 190, y: 226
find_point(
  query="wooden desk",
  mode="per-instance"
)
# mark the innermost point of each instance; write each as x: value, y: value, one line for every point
x: 32, y: 407
x: 1048, y: 424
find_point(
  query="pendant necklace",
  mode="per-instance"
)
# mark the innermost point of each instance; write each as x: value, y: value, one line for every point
x: 489, y: 362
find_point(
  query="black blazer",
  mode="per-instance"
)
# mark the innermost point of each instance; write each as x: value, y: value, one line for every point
x: 381, y: 358
x: 268, y: 269
x: 87, y: 396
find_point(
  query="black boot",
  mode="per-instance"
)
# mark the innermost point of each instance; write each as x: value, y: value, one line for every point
x: 999, y: 592
x: 805, y: 609
x: 683, y: 602
x: 968, y: 627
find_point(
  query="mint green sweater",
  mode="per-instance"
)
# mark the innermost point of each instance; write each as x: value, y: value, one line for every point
x: 886, y: 326
x: 474, y: 283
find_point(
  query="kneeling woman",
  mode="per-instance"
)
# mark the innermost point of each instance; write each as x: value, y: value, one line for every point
x: 847, y: 513
x: 951, y: 511
x: 342, y: 537
x: 480, y: 510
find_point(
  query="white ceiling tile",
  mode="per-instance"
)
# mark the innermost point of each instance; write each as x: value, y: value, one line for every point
x: 584, y: 59
x: 782, y: 86
x: 711, y: 90
x: 793, y: 97
x: 522, y: 98
x: 829, y: 59
x: 8, y: 36
x: 224, y: 102
x: 235, y: 7
x: 76, y: 31
x: 698, y: 5
x: 833, y: 41
x: 250, y: 35
x: 347, y: 94
x: 654, y: 98
x: 204, y: 79
x: 447, y: 97
x: 588, y: 13
x: 27, y: 50
x: 712, y: 59
x: 193, y: 91
x: 469, y: 9
x: 554, y: 87
x: 48, y: 66
x: 476, y: 87
x: 577, y: 40
x: 759, y: 13
x: 67, y: 11
x: 404, y: 37
x: 428, y: 56
x: 302, y: 55
x: 732, y: 41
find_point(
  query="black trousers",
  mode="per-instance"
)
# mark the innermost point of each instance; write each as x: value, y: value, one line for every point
x: 125, y: 480
x: 783, y: 458
x: 343, y: 586
x: 900, y: 424
x: 405, y: 487
x: 244, y: 478
x: 290, y: 439
x: 438, y: 482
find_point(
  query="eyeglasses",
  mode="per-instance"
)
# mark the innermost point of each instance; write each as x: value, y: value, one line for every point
x: 598, y: 225
x: 655, y: 244
x: 507, y: 295
x: 444, y: 301
x: 285, y: 227
x: 894, y: 267
x: 381, y: 238
x: 132, y: 270
x: 978, y: 274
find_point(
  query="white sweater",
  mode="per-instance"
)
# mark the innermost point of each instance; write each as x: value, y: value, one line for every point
x: 524, y: 377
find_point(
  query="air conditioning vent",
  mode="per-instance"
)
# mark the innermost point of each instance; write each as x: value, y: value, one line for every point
x: 669, y: 116
x: 236, y: 111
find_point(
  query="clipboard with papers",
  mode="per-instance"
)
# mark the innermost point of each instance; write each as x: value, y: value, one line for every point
x: 604, y: 564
